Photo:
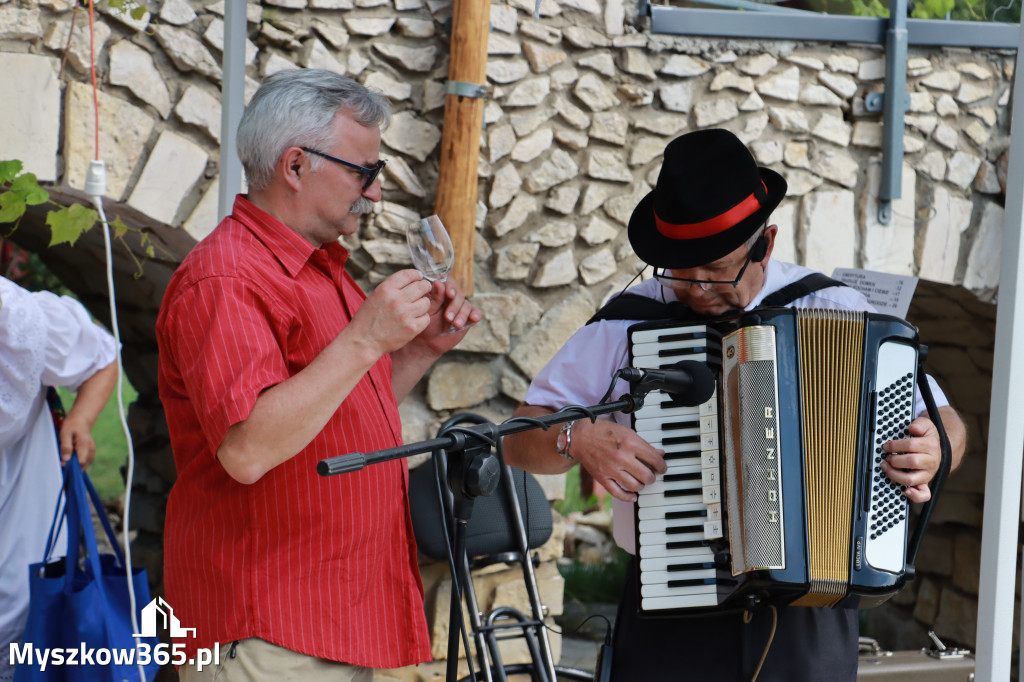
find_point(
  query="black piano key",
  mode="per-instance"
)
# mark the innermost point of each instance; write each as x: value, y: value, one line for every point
x: 680, y: 440
x: 690, y: 476
x: 676, y: 352
x: 672, y: 568
x: 693, y: 513
x: 690, y: 582
x: 686, y: 544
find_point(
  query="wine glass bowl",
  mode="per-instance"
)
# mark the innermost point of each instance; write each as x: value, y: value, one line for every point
x: 430, y: 248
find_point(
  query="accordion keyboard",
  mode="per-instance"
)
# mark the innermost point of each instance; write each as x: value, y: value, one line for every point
x: 681, y: 511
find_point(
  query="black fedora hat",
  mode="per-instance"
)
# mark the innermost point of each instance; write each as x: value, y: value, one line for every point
x: 711, y: 196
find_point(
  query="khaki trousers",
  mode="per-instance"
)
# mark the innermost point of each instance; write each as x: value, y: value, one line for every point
x: 258, y: 660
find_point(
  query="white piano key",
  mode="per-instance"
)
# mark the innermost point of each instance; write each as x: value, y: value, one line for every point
x: 663, y: 487
x: 688, y: 601
x: 660, y: 500
x: 660, y: 525
x: 662, y: 577
x: 656, y: 334
x: 700, y: 555
x: 660, y: 512
x: 659, y: 538
x: 652, y: 550
x: 666, y: 591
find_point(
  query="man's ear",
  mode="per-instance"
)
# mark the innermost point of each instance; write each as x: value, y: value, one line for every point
x: 293, y: 166
x: 770, y: 233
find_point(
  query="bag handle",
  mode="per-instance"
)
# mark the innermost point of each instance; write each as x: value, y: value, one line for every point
x: 102, y: 513
x: 59, y: 515
x: 80, y: 528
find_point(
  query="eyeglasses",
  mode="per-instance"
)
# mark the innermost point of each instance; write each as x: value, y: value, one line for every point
x: 703, y: 284
x: 370, y: 173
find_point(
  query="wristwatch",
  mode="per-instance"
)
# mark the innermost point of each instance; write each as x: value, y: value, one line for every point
x: 565, y: 440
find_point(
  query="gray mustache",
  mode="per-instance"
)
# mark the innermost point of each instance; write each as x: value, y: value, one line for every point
x: 361, y: 205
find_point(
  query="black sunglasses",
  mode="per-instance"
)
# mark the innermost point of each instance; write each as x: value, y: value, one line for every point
x: 370, y: 173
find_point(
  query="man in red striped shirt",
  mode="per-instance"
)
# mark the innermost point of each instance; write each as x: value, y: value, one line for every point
x: 271, y: 359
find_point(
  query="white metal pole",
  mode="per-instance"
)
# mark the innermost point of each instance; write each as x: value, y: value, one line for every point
x: 1006, y: 427
x: 232, y: 102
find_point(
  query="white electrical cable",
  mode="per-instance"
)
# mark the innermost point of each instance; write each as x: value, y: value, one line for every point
x: 96, y: 187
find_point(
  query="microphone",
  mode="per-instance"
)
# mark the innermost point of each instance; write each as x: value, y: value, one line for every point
x: 688, y: 382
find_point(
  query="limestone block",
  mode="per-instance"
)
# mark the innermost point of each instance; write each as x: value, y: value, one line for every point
x: 398, y: 173
x: 533, y: 349
x: 946, y: 80
x: 521, y: 208
x: 713, y: 112
x: 986, y: 250
x: 963, y: 168
x: 785, y: 239
x: 620, y: 207
x: 177, y: 12
x: 543, y: 57
x: 828, y: 229
x: 554, y: 233
x: 834, y: 129
x: 556, y: 169
x: 214, y: 37
x: 844, y: 86
x: 605, y: 164
x: 204, y: 216
x: 458, y: 385
x: 598, y: 231
x: 598, y: 267
x: 533, y: 145
x: 889, y: 247
x: 758, y: 65
x: 20, y: 24
x: 418, y: 59
x: 594, y: 93
x: 186, y: 51
x: 199, y: 108
x: 505, y: 186
x: 563, y: 199
x: 837, y: 165
x: 30, y: 112
x: 784, y: 85
x: 315, y: 55
x: 557, y: 271
x: 500, y: 44
x: 368, y: 26
x: 411, y: 135
x: 949, y: 217
x: 133, y: 67
x: 124, y: 130
x: 731, y: 79
x: 515, y: 262
x: 967, y: 562
x: 685, y: 66
x: 173, y: 167
x: 601, y: 62
x: 79, y: 53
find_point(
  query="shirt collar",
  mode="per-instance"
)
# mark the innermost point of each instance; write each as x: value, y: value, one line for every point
x: 291, y: 249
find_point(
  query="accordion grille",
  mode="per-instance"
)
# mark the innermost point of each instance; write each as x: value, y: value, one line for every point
x: 831, y: 357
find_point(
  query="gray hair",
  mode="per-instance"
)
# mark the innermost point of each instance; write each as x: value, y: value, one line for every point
x: 294, y: 108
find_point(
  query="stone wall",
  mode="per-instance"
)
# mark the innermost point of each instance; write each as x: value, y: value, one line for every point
x: 584, y: 101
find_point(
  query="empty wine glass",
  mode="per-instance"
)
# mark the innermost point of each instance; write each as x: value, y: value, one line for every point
x: 431, y: 248
x: 432, y: 253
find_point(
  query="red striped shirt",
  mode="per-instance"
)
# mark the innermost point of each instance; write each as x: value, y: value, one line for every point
x: 322, y: 566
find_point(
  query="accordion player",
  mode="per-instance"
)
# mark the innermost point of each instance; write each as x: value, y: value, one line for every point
x: 773, y: 493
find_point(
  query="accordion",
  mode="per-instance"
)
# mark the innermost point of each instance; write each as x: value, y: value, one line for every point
x: 774, y: 493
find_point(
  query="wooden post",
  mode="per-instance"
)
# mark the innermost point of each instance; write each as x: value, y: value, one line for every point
x: 455, y: 202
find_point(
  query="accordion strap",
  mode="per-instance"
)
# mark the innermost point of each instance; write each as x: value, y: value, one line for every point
x: 642, y: 308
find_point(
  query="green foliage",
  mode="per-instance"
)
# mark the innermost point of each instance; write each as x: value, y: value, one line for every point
x: 574, y: 500
x: 67, y: 224
x: 111, y: 445
x: 601, y: 583
x: 958, y: 10
x: 21, y: 190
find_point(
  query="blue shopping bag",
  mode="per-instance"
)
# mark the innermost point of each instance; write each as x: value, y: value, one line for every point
x: 79, y: 623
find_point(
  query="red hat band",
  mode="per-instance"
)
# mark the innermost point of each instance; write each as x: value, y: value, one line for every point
x: 706, y: 228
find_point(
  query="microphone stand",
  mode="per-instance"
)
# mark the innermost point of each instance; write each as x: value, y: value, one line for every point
x: 473, y: 470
